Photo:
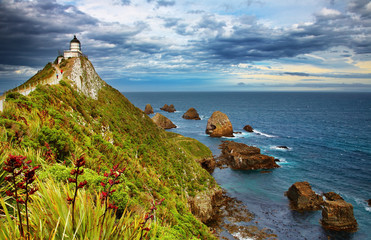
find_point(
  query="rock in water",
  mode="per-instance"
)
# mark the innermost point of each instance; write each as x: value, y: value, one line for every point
x: 148, y: 110
x: 303, y: 198
x: 331, y: 196
x: 244, y: 157
x: 248, y: 128
x: 338, y: 215
x: 163, y: 121
x: 369, y: 202
x: 191, y: 114
x: 219, y: 125
x: 167, y: 108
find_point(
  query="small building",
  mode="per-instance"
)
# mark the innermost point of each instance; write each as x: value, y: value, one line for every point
x: 75, y: 49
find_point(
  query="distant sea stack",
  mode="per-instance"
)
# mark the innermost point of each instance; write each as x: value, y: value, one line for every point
x: 167, y: 108
x: 248, y: 128
x: 191, y: 114
x: 148, y: 110
x: 163, y: 121
x: 219, y: 125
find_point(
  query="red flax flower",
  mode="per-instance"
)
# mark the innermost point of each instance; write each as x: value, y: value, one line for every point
x: 111, y: 179
x: 149, y: 215
x: 75, y: 173
x: 20, y: 178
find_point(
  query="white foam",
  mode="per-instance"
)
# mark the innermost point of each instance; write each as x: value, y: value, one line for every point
x: 263, y: 134
x: 238, y: 235
x: 368, y: 209
x: 280, y: 148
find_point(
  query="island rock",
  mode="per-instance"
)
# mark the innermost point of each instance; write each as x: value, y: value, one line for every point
x: 167, y: 108
x: 303, y: 198
x: 244, y: 157
x: 148, y: 110
x: 369, y: 202
x: 248, y: 128
x: 219, y: 125
x: 191, y: 114
x: 163, y: 121
x: 338, y: 215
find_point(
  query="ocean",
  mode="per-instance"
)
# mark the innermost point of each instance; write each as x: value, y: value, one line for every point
x: 328, y: 136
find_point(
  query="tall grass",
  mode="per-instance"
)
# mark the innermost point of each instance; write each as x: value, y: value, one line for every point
x: 50, y: 217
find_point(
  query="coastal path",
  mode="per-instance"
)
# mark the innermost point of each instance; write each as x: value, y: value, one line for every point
x: 28, y: 88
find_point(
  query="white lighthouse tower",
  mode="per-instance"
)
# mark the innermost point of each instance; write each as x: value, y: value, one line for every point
x: 75, y: 49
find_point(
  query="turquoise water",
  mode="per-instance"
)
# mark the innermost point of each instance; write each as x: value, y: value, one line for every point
x: 329, y: 140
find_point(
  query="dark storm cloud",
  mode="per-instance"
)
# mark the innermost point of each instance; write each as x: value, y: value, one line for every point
x: 30, y: 29
x: 297, y: 74
x: 251, y: 41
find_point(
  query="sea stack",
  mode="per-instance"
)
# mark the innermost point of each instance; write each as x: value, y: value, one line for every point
x: 219, y: 125
x: 167, y: 108
x: 248, y: 128
x: 191, y: 114
x: 303, y: 198
x: 337, y: 215
x: 163, y: 121
x: 244, y: 157
x: 148, y: 110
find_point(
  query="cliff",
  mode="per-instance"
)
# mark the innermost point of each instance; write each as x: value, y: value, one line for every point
x: 84, y: 116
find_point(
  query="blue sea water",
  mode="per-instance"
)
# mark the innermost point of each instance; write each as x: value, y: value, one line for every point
x: 329, y: 141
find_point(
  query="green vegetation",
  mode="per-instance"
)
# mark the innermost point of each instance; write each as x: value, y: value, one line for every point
x: 55, y: 123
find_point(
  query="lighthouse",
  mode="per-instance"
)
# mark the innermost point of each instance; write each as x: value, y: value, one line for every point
x: 75, y: 49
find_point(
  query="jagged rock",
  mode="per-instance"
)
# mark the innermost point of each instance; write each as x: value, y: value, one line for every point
x: 148, y: 110
x: 203, y: 205
x: 283, y: 147
x: 191, y: 114
x: 331, y: 196
x: 167, y: 108
x: 338, y: 215
x: 163, y: 121
x: 207, y: 163
x: 242, y: 156
x: 303, y: 198
x: 248, y: 128
x: 369, y: 202
x: 219, y: 125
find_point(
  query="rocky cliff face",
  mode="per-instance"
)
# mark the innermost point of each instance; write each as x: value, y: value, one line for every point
x: 84, y: 77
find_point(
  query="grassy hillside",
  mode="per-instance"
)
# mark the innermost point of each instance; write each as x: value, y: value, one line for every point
x: 55, y: 125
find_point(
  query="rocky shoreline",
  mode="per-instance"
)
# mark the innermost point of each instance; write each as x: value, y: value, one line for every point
x: 224, y: 214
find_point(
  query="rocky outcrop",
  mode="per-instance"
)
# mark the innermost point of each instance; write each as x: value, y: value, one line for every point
x: 219, y: 125
x: 204, y: 204
x: 84, y: 77
x: 331, y: 196
x: 248, y: 128
x: 303, y: 198
x: 338, y: 215
x: 191, y: 114
x: 167, y: 108
x: 208, y: 164
x: 163, y: 121
x: 244, y: 157
x: 148, y: 110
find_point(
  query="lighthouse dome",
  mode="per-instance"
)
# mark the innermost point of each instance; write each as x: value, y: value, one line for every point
x: 75, y: 44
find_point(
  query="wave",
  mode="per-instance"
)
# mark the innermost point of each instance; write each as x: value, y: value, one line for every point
x: 264, y: 134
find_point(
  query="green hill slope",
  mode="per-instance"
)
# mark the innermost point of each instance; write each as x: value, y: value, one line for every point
x: 86, y: 117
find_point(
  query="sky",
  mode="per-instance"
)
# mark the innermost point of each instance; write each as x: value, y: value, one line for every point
x: 187, y: 45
